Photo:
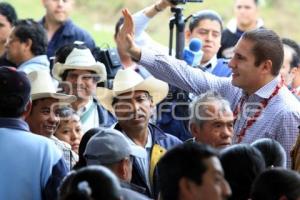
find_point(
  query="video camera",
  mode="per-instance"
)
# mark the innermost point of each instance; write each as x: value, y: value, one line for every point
x: 175, y: 2
x: 110, y: 58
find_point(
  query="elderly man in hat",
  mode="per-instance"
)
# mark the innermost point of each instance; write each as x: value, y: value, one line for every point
x: 132, y: 100
x: 81, y: 73
x: 42, y: 119
x: 111, y: 149
x: 31, y: 167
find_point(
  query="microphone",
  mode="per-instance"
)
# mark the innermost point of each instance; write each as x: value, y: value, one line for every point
x: 193, y: 55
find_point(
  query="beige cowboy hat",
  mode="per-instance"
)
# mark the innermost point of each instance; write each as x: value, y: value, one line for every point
x: 127, y: 80
x: 42, y: 86
x: 81, y: 59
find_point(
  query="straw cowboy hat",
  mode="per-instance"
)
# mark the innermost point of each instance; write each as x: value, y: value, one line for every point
x: 42, y: 86
x: 81, y: 59
x: 127, y: 80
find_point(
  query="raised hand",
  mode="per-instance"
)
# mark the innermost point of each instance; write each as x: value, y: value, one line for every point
x: 126, y: 36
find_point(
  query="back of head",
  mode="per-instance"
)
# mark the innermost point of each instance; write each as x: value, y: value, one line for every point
x: 62, y: 53
x: 267, y: 46
x: 272, y: 151
x: 276, y: 183
x: 93, y: 182
x: 14, y: 92
x: 26, y: 29
x: 242, y: 164
x: 186, y: 160
x: 202, y: 15
x: 110, y: 146
x: 9, y: 12
x: 295, y: 62
x: 84, y: 140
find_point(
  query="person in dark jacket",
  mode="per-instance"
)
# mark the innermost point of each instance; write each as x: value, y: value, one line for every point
x: 61, y: 30
x: 132, y: 100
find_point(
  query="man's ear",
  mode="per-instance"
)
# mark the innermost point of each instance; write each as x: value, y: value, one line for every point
x: 123, y: 168
x: 27, y: 110
x: 267, y: 66
x: 28, y: 44
x: 194, y: 129
x: 185, y: 188
x: 294, y: 70
x: 188, y: 35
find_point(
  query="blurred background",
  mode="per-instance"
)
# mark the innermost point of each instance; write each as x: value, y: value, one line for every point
x: 99, y: 16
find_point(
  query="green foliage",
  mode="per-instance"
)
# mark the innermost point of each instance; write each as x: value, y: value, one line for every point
x: 99, y: 17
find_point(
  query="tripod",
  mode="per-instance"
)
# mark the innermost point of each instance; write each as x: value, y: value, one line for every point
x: 178, y: 20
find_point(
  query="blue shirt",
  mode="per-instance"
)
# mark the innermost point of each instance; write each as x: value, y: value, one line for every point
x: 279, y: 120
x: 31, y: 165
x: 66, y: 34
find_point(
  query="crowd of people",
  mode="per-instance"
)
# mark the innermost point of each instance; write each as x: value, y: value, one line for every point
x: 226, y: 128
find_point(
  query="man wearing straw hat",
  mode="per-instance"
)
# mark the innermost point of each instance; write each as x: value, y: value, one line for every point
x: 132, y: 100
x: 43, y: 119
x: 81, y: 73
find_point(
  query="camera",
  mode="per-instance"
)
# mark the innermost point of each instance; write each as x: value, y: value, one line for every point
x: 175, y: 2
x: 110, y: 58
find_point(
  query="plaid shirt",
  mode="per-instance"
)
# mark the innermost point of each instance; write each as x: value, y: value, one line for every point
x: 69, y: 156
x: 279, y: 120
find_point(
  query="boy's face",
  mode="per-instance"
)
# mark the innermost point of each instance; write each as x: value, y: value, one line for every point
x: 209, y: 31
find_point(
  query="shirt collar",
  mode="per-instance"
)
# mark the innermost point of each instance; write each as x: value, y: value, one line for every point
x: 213, y: 61
x: 86, y: 107
x: 149, y: 140
x: 266, y: 91
x: 14, y: 123
x: 65, y: 27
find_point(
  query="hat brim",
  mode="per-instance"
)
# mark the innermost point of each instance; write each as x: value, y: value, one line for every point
x: 59, y: 96
x: 156, y: 88
x: 98, y: 68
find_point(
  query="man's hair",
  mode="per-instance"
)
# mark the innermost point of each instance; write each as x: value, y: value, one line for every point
x: 272, y: 151
x: 257, y: 2
x: 241, y: 163
x: 15, y: 90
x: 26, y: 29
x: 12, y: 106
x: 9, y: 12
x: 62, y: 53
x: 116, y: 99
x: 198, y: 107
x: 202, y: 15
x: 267, y: 46
x: 92, y: 182
x: 275, y: 183
x: 186, y: 160
x: 295, y: 62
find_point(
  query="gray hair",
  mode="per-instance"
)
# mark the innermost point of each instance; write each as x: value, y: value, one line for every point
x: 198, y: 107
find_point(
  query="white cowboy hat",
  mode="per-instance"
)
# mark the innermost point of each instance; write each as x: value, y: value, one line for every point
x: 127, y: 80
x: 42, y: 86
x: 81, y: 59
